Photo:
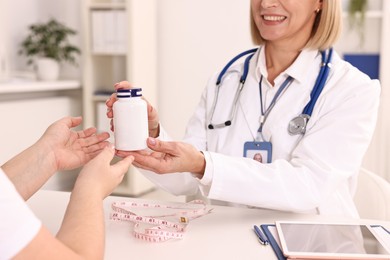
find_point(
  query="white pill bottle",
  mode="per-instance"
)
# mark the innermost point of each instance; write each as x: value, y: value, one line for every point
x: 130, y: 120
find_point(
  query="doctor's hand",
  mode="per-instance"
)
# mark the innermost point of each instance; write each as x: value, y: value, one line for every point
x: 153, y: 120
x: 70, y: 149
x: 168, y: 157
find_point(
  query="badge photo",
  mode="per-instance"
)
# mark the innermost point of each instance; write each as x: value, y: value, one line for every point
x: 259, y: 151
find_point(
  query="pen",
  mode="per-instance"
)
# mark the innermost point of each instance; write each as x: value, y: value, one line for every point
x: 263, y: 240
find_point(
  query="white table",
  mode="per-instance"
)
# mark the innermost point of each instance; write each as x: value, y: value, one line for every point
x: 226, y: 233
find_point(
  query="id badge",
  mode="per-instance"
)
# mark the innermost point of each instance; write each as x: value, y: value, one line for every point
x: 259, y: 151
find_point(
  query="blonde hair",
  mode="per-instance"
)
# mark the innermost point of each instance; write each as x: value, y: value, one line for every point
x: 326, y: 29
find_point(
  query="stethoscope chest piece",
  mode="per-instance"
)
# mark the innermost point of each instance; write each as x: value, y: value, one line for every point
x: 298, y: 124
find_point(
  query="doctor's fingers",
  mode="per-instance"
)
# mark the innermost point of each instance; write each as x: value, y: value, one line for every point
x: 165, y: 147
x: 152, y: 112
x: 121, y: 153
x: 158, y: 164
x: 112, y: 125
x: 178, y: 157
x: 123, y: 85
x: 109, y: 103
x: 142, y: 166
x: 153, y: 161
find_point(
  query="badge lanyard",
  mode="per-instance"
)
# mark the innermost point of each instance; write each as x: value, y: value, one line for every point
x: 264, y: 114
x: 259, y: 149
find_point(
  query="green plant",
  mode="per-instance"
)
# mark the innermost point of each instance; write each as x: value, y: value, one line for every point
x: 49, y: 40
x: 356, y: 13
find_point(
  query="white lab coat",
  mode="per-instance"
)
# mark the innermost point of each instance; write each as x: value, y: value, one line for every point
x: 314, y: 173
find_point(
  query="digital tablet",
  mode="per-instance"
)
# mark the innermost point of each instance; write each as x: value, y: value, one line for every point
x: 309, y: 240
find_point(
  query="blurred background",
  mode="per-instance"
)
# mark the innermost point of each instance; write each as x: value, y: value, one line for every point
x: 169, y: 48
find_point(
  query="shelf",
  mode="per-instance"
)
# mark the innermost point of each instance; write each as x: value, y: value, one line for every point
x: 20, y: 85
x: 99, y: 98
x: 107, y: 6
x: 120, y: 44
x: 108, y: 53
x: 369, y: 14
x: 374, y: 14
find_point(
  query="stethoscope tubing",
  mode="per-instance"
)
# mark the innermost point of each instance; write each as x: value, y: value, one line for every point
x: 308, y: 109
x: 230, y: 63
x: 320, y: 83
x: 238, y: 92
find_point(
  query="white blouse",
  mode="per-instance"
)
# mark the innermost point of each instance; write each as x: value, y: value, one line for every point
x: 18, y: 224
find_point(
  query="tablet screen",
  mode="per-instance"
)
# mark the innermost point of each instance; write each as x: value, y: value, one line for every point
x: 329, y: 239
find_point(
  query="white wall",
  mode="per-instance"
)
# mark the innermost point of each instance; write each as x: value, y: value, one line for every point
x: 22, y: 13
x: 195, y: 39
x: 4, y: 59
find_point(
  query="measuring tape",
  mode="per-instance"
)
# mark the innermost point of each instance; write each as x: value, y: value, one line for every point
x: 154, y: 228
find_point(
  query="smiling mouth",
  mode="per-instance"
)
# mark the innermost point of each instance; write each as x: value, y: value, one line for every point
x: 274, y: 18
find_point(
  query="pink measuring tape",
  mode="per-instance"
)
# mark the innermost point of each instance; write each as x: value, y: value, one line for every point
x: 159, y: 228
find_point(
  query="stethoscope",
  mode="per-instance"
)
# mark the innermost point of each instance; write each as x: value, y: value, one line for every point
x: 239, y: 89
x: 298, y: 124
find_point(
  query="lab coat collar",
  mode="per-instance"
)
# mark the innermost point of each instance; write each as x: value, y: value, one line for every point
x: 298, y: 70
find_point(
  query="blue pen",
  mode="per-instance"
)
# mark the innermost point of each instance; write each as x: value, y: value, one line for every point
x: 263, y: 240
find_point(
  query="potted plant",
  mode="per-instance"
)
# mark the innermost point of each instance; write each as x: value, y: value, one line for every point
x: 47, y: 45
x: 356, y: 15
